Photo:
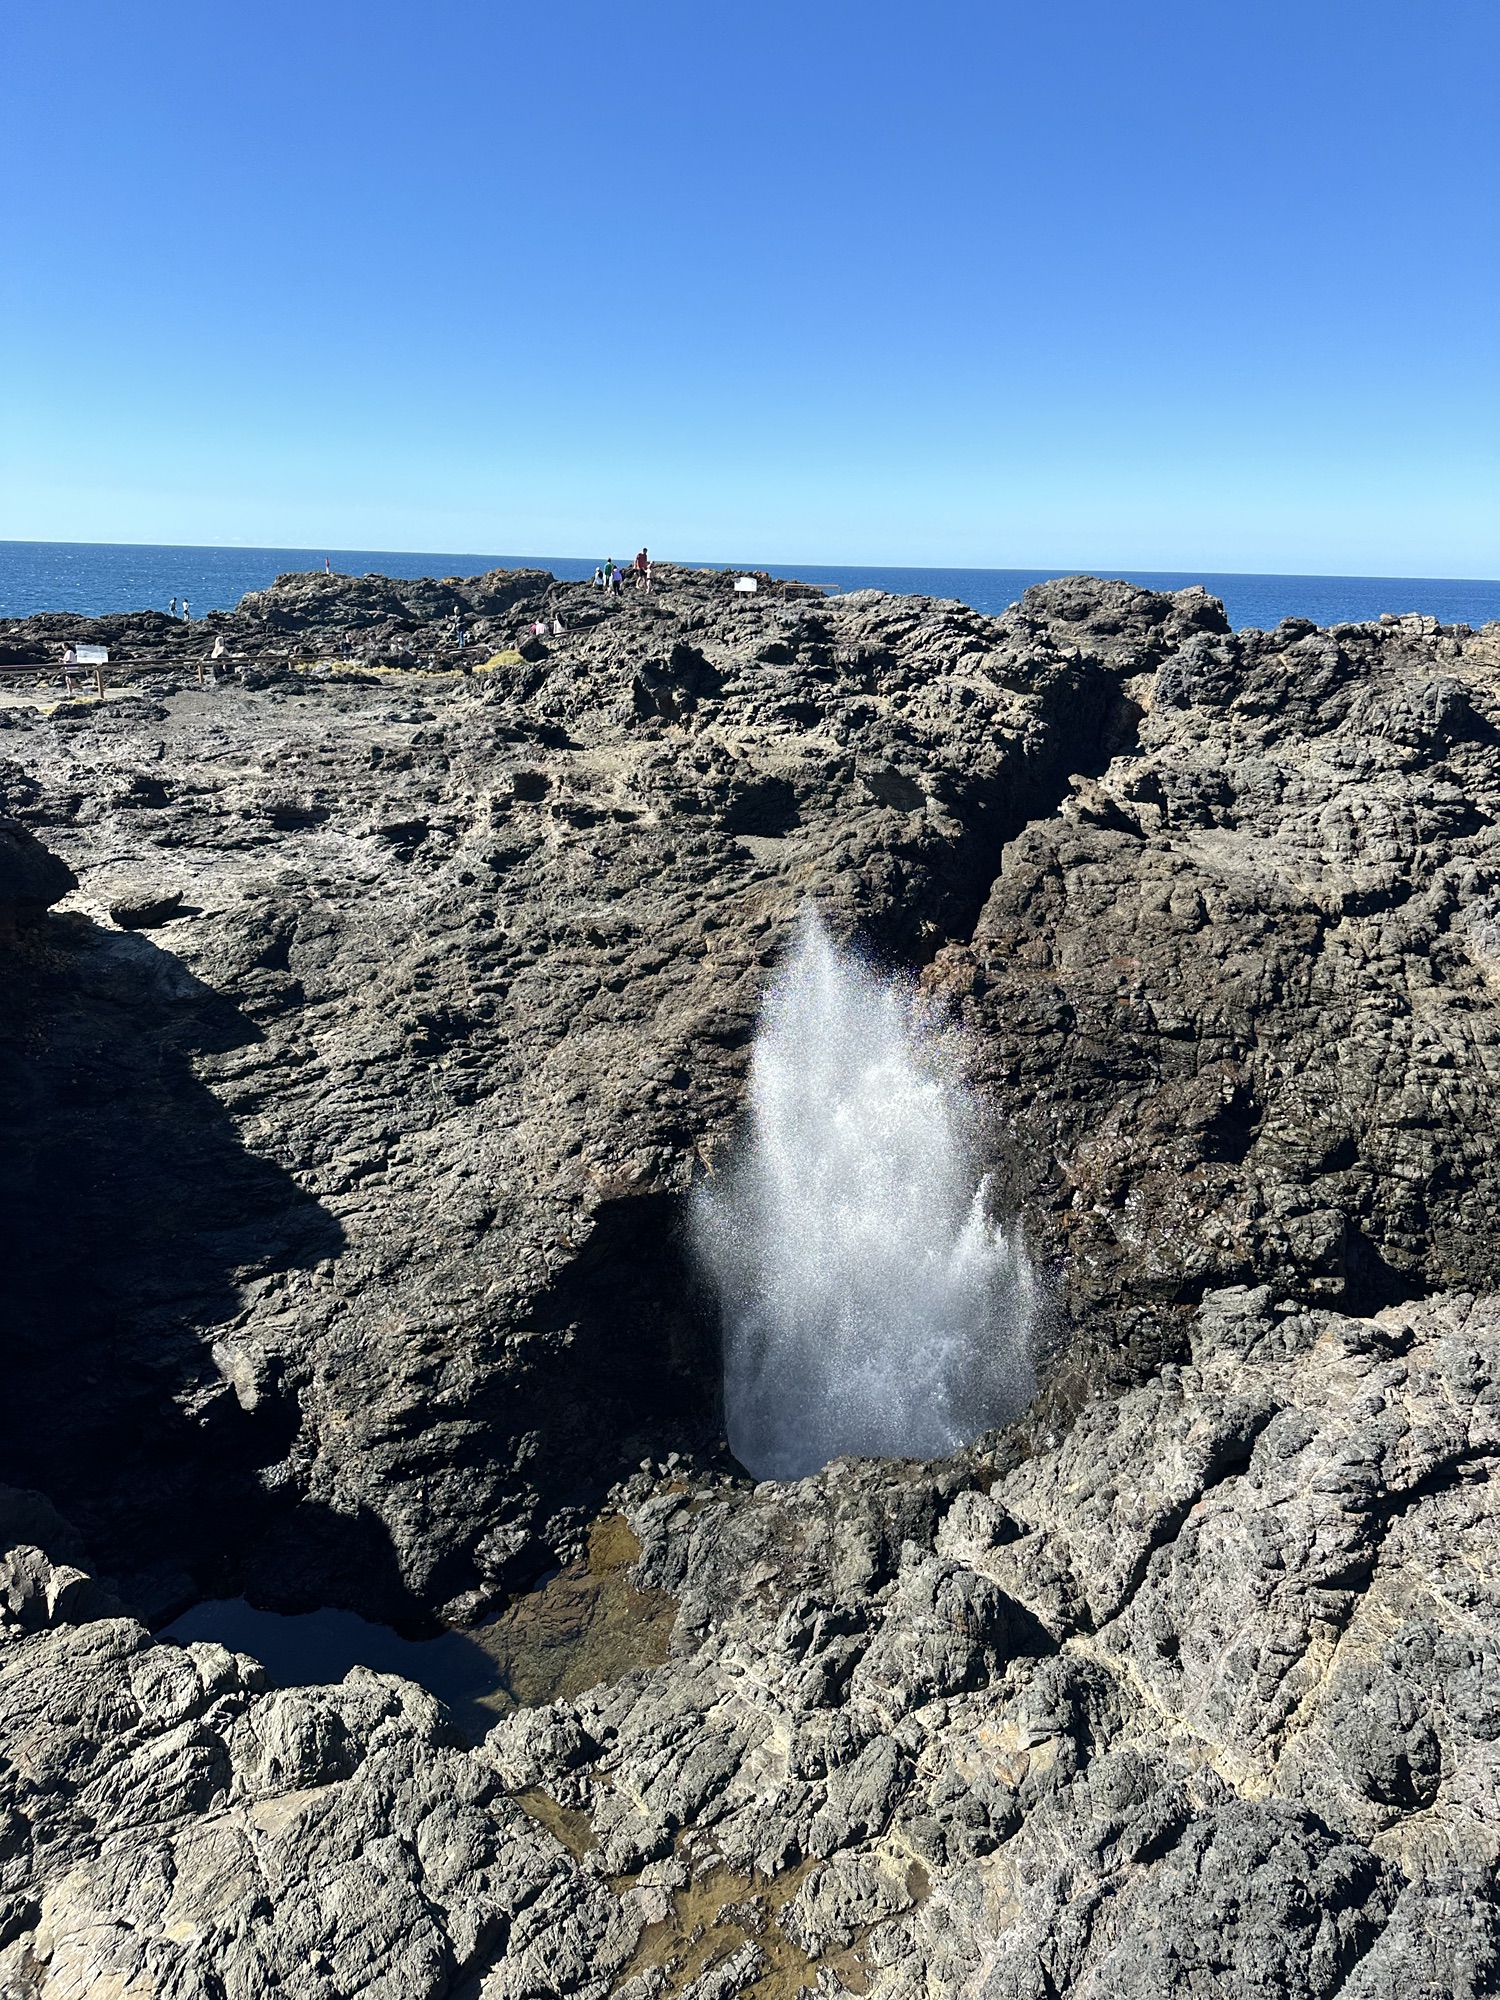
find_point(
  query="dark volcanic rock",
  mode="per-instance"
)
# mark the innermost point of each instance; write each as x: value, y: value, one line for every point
x: 146, y: 913
x: 32, y: 879
x: 378, y: 1175
x: 1238, y: 997
x: 345, y: 1267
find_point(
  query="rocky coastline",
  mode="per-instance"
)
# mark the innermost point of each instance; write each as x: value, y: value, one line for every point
x: 380, y: 962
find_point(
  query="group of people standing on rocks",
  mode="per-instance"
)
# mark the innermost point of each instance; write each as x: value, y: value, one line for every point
x: 185, y: 613
x: 610, y: 576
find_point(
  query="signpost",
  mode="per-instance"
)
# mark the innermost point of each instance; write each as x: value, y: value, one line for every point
x: 96, y: 657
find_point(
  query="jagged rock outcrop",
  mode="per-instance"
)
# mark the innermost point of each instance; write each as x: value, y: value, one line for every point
x: 1204, y: 1699
x: 31, y: 878
x: 374, y: 619
x: 1238, y: 996
x: 377, y: 1151
x: 345, y: 1195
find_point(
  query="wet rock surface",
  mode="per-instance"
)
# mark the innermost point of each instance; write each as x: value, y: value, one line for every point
x: 345, y: 1193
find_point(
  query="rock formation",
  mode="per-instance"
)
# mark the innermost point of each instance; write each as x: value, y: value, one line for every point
x: 31, y: 879
x: 351, y: 1100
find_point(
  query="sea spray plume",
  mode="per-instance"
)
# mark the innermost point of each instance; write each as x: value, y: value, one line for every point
x: 870, y: 1306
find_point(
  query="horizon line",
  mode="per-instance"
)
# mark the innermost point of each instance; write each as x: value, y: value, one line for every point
x: 1103, y: 571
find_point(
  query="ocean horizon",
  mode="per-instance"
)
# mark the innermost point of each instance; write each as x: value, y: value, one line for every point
x: 93, y: 578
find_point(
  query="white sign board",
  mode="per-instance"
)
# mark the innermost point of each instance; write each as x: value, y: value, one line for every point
x: 86, y: 656
x: 746, y: 583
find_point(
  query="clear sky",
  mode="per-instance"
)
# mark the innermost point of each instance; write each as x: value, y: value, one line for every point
x: 1174, y: 284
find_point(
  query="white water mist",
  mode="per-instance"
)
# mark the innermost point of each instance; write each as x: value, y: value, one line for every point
x: 870, y: 1304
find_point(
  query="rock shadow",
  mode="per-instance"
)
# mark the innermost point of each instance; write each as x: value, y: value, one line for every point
x: 133, y: 1212
x: 1372, y: 1282
x: 625, y: 1365
x: 310, y: 1557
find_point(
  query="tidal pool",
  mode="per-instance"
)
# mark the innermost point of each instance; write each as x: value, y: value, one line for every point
x: 583, y: 1625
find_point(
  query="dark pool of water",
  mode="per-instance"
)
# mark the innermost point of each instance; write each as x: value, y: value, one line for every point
x: 582, y: 1625
x: 316, y: 1647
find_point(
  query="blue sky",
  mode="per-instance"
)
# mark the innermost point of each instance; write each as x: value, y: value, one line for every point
x: 1065, y: 284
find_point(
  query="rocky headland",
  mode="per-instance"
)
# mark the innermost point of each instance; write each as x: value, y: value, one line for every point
x: 379, y: 975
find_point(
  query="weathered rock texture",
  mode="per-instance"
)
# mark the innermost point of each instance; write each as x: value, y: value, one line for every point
x: 1238, y: 997
x: 1205, y: 1700
x: 350, y: 1103
x: 354, y: 1190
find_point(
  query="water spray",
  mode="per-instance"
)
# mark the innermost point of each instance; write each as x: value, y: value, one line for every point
x: 871, y: 1305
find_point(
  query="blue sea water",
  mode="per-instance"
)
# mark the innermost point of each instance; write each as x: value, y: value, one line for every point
x: 95, y: 577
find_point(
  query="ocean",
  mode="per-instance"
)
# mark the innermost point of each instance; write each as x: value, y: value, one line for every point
x: 95, y: 577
